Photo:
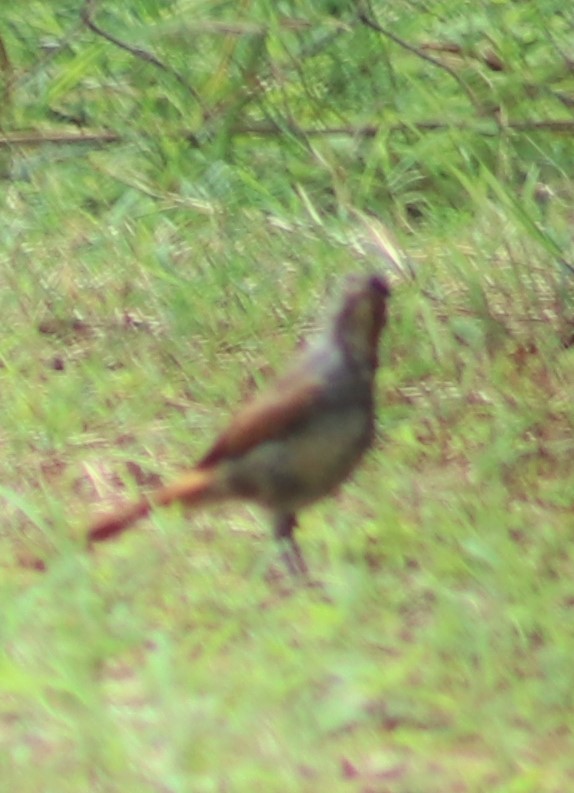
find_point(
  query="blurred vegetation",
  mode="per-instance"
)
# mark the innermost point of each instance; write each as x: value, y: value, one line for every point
x: 183, y: 184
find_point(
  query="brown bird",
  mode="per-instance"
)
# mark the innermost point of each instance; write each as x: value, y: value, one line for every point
x: 297, y: 441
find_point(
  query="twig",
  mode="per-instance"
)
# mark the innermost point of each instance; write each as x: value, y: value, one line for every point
x: 87, y: 15
x: 64, y: 139
x: 369, y: 22
x: 6, y: 74
x: 558, y: 126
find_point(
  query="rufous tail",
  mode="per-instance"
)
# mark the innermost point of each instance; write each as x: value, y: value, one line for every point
x: 192, y: 488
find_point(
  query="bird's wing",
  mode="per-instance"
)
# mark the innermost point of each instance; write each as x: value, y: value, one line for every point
x: 287, y: 402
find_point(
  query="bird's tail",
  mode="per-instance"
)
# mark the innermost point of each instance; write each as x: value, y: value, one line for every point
x: 196, y: 487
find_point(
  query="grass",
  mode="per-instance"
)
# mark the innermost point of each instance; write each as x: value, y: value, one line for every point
x: 436, y: 655
x: 148, y: 287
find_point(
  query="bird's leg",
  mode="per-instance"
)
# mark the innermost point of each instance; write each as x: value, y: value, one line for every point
x: 291, y: 552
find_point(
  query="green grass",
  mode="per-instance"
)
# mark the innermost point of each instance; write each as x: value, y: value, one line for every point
x: 437, y: 653
x: 147, y: 288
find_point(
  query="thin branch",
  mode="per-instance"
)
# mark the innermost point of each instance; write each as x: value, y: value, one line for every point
x: 87, y: 15
x: 57, y: 138
x: 369, y: 22
x: 5, y: 74
x: 558, y: 126
x: 485, y: 128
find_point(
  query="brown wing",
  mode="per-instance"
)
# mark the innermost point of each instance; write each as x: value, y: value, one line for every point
x: 269, y: 416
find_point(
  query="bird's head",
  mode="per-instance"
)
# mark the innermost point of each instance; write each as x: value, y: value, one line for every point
x: 361, y: 317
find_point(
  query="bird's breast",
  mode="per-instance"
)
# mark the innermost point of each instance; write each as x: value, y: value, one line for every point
x: 308, y: 463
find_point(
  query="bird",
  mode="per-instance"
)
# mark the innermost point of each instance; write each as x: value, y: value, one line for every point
x: 297, y: 441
